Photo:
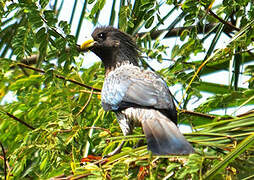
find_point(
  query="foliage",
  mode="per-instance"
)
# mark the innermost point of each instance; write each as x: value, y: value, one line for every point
x: 56, y: 120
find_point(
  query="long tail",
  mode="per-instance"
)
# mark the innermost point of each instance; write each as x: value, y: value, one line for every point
x: 163, y: 136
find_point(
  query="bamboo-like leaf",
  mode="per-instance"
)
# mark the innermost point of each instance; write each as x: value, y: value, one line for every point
x: 237, y: 62
x: 212, y: 56
x: 173, y: 24
x: 100, y: 115
x: 112, y: 14
x: 244, y: 145
x: 243, y: 31
x: 249, y: 177
x: 73, y: 12
x: 244, y: 103
x: 215, y: 39
x: 81, y: 18
x: 215, y: 88
x: 166, y: 16
x: 217, y: 66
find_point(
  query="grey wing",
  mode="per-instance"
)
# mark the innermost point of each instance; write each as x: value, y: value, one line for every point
x: 149, y: 93
x: 125, y: 89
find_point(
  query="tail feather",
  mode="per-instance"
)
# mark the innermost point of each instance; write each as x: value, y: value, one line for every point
x: 163, y: 136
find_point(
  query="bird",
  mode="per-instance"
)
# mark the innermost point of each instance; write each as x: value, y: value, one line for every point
x: 138, y: 96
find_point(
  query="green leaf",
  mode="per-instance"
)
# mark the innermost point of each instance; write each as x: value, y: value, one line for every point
x: 169, y: 2
x: 184, y: 34
x: 44, y: 163
x: 65, y: 27
x: 40, y: 35
x: 50, y: 16
x: 244, y: 145
x: 149, y: 14
x: 25, y: 82
x: 119, y: 170
x: 123, y: 15
x: 43, y: 3
x: 175, y: 51
x: 53, y: 33
x: 146, y: 6
x: 149, y: 22
x: 90, y: 1
x: 142, y: 163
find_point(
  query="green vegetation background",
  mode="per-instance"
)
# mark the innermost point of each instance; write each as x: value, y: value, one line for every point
x: 57, y: 119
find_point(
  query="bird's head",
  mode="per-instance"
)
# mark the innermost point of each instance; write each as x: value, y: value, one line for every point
x: 112, y: 46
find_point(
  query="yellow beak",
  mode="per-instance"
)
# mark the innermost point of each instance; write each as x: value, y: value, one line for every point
x: 84, y: 46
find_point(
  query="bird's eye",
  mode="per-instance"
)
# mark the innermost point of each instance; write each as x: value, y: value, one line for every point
x: 102, y: 36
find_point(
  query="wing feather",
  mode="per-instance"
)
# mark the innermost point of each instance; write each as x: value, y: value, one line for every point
x: 135, y: 87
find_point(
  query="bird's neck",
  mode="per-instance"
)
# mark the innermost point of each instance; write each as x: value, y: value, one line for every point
x: 119, y: 58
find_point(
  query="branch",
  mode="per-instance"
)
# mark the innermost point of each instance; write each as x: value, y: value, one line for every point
x: 30, y: 60
x: 83, y: 108
x: 89, y: 92
x: 246, y: 113
x: 5, y: 164
x: 33, y: 58
x: 63, y: 177
x: 19, y: 120
x: 85, y: 128
x: 59, y: 76
x: 212, y: 116
x: 231, y: 26
x: 197, y: 114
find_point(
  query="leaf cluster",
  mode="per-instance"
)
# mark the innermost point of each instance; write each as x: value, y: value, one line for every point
x: 54, y: 125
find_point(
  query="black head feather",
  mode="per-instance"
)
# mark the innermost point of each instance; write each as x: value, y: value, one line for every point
x: 114, y: 47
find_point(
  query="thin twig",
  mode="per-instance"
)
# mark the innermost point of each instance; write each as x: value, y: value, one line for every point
x: 85, y: 91
x: 53, y: 29
x: 69, y: 130
x: 100, y: 128
x: 212, y: 116
x: 19, y: 120
x: 246, y: 113
x: 197, y: 114
x: 8, y: 166
x: 5, y: 164
x: 71, y: 177
x: 250, y: 53
x: 59, y: 76
x: 224, y: 22
x: 87, y: 102
x: 80, y: 176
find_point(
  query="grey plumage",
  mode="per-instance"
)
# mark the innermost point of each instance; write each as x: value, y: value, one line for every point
x: 137, y: 96
x: 140, y: 97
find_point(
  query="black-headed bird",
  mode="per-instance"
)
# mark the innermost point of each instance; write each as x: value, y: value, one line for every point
x: 137, y: 96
